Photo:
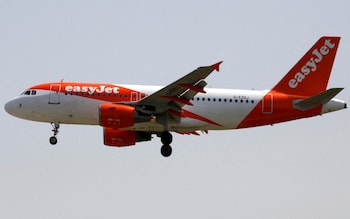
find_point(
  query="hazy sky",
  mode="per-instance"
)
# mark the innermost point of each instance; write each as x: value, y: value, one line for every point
x: 298, y: 170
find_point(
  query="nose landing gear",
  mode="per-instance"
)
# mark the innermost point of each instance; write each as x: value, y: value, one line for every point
x: 166, y: 138
x: 55, y: 126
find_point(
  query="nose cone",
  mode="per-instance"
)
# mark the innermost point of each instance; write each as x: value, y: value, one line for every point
x: 12, y: 107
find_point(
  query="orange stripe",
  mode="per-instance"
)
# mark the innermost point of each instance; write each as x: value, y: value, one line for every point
x: 282, y: 110
x: 105, y: 92
x: 189, y: 114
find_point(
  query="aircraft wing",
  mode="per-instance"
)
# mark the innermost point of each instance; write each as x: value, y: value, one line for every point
x: 181, y: 91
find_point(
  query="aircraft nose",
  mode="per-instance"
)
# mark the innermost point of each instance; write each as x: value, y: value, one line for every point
x: 12, y: 106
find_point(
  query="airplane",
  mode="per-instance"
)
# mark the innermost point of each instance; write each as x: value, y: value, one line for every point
x: 134, y: 113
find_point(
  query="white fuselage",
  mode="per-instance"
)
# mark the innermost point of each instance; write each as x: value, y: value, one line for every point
x: 227, y: 107
x: 224, y: 106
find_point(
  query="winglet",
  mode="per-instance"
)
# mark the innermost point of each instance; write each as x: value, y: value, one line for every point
x: 216, y: 66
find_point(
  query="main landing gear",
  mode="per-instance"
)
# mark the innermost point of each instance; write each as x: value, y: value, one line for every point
x: 166, y: 138
x: 55, y: 126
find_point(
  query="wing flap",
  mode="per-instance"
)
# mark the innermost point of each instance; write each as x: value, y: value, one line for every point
x: 193, y: 90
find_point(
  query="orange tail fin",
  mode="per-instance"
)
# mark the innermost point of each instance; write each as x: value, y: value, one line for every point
x: 311, y: 73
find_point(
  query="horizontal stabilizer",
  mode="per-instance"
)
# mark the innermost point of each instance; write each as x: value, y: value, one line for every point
x: 316, y: 100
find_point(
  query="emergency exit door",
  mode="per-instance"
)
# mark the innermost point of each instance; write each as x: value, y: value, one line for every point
x: 267, y: 104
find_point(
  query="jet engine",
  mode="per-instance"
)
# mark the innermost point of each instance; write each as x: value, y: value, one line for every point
x: 117, y: 115
x: 120, y: 116
x: 121, y: 138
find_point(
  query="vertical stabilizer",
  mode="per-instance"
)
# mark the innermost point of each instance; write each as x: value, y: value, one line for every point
x: 311, y: 73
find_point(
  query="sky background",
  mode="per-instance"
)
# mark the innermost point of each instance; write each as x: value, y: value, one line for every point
x: 299, y: 169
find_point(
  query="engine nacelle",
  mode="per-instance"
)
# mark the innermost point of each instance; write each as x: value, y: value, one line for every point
x: 121, y: 138
x: 117, y: 115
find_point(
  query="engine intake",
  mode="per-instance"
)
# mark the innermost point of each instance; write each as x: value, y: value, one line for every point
x: 117, y: 115
x: 120, y: 116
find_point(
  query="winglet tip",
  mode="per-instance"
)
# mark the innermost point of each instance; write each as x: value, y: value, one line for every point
x: 216, y: 66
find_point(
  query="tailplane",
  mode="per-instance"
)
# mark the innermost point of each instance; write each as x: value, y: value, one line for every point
x: 316, y: 100
x: 311, y: 73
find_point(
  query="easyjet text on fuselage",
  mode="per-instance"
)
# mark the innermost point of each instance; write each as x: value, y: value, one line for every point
x: 92, y: 89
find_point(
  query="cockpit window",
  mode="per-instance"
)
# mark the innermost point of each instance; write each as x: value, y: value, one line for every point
x: 29, y: 92
x: 26, y: 92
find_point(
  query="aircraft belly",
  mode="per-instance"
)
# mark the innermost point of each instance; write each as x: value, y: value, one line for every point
x: 216, y: 117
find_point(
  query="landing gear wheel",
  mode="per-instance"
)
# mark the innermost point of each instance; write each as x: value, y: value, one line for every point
x: 166, y: 138
x: 166, y: 150
x: 55, y: 126
x: 53, y: 140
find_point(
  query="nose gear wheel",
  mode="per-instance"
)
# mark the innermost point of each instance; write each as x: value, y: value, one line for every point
x: 55, y: 126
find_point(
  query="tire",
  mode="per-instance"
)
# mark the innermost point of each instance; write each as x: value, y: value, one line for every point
x: 166, y: 138
x: 166, y: 150
x: 53, y: 140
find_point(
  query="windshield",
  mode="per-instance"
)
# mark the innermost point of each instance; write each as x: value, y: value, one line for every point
x: 29, y: 92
